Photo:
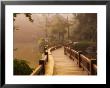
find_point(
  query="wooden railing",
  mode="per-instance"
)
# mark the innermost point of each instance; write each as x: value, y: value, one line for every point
x: 87, y: 64
x: 40, y: 70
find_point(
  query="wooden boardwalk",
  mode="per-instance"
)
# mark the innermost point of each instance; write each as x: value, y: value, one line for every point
x: 63, y: 65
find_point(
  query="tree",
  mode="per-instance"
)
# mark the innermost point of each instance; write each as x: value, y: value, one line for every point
x: 87, y: 27
x: 58, y: 27
x: 21, y: 67
x: 28, y: 15
x: 41, y: 43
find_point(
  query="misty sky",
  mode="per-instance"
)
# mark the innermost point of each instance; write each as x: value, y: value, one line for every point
x: 28, y: 31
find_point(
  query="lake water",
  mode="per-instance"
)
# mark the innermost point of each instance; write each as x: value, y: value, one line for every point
x: 25, y: 40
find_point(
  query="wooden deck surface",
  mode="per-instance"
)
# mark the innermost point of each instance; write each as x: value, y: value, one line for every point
x: 63, y: 65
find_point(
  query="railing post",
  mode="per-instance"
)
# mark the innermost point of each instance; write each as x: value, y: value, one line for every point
x: 70, y: 53
x: 79, y: 58
x: 93, y: 61
x: 47, y: 56
x: 46, y: 53
x: 42, y: 62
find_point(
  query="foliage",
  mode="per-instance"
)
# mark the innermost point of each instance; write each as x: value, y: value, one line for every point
x: 41, y: 43
x: 58, y: 28
x: 89, y: 49
x: 83, y: 45
x: 26, y: 14
x: 86, y: 27
x: 21, y: 67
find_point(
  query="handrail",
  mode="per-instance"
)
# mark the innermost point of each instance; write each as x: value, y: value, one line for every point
x: 40, y: 69
x: 87, y: 64
x: 50, y: 65
x: 37, y: 70
x: 94, y: 69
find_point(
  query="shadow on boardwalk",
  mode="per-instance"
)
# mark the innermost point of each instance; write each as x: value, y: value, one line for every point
x: 63, y: 65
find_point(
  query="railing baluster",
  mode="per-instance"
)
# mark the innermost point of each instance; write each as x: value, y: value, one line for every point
x: 70, y: 53
x: 79, y: 58
x: 87, y: 64
x: 84, y: 62
x: 42, y: 62
x: 46, y: 53
x: 93, y: 61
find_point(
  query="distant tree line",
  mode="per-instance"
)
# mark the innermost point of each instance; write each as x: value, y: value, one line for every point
x: 86, y: 28
x: 83, y: 26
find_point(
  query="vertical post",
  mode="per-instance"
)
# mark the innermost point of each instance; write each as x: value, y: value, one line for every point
x: 70, y: 53
x: 79, y: 58
x: 42, y: 62
x: 46, y: 53
x: 93, y: 61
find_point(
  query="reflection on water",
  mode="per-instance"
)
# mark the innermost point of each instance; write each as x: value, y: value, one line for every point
x: 28, y: 52
x: 25, y: 40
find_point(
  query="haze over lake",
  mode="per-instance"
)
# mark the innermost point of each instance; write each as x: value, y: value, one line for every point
x: 27, y: 35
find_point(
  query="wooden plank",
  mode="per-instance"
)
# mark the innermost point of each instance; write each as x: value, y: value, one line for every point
x: 37, y: 70
x: 49, y: 66
x: 63, y: 65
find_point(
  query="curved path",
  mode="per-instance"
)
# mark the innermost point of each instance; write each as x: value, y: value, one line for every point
x: 64, y: 65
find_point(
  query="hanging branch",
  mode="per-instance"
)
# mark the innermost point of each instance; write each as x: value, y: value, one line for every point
x: 26, y: 14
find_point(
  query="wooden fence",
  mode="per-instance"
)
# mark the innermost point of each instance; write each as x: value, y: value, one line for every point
x: 87, y: 64
x: 40, y: 70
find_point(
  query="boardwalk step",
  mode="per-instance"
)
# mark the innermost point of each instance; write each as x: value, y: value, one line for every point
x: 63, y: 65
